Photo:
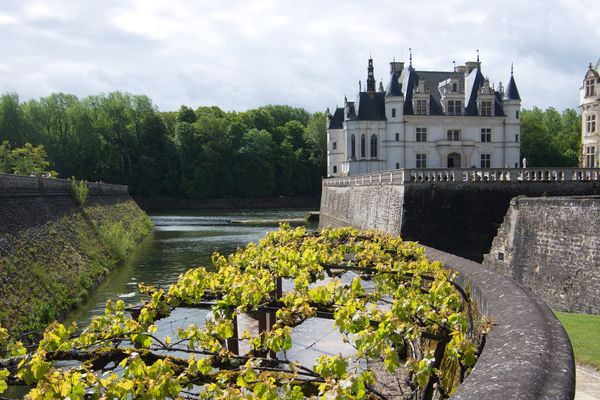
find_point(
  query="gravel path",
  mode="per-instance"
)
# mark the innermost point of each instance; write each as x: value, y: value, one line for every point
x: 588, y: 383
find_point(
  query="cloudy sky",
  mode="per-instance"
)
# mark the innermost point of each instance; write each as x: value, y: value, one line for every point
x: 240, y: 54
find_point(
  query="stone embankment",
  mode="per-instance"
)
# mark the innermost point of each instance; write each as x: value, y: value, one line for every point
x: 52, y: 251
x: 458, y: 211
x: 551, y: 246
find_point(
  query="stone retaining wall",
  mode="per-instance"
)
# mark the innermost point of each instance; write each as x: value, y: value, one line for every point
x: 52, y: 252
x: 460, y: 217
x: 551, y: 246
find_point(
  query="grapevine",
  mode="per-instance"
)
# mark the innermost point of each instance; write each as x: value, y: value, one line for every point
x: 411, y: 315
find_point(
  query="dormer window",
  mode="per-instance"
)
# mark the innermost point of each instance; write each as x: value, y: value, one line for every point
x: 454, y: 107
x: 421, y: 107
x: 486, y: 108
x: 590, y: 87
x: 454, y: 87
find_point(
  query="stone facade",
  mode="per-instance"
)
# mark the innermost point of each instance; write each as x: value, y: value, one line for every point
x: 589, y: 100
x: 426, y: 119
x: 550, y: 245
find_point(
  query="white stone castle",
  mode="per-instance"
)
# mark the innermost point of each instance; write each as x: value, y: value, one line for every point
x: 589, y: 100
x: 426, y: 119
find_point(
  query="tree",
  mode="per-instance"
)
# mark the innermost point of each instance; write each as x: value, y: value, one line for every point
x: 6, y: 161
x: 257, y: 167
x: 550, y: 139
x: 23, y: 160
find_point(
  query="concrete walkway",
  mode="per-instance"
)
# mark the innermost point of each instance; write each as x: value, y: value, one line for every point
x: 588, y: 383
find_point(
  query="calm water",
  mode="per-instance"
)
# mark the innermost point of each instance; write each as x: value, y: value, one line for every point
x: 180, y: 241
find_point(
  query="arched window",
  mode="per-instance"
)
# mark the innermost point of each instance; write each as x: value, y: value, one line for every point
x: 373, y: 146
x: 352, y: 146
x: 363, y: 146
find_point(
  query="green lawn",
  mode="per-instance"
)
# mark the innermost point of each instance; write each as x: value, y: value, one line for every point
x: 584, y: 332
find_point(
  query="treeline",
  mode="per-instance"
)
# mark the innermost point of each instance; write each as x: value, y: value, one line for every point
x: 203, y: 153
x: 550, y: 138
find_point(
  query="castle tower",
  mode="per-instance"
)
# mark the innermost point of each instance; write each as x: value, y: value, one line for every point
x: 511, y: 103
x: 589, y: 102
x: 370, y: 77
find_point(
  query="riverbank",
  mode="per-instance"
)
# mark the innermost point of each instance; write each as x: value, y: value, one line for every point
x: 261, y: 203
x: 53, y: 252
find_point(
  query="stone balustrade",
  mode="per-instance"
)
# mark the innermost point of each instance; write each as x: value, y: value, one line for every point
x: 474, y: 175
x: 28, y: 185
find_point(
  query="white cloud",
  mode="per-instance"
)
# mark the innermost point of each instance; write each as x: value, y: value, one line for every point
x: 241, y: 54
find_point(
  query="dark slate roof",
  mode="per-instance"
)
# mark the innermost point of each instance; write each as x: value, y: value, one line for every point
x: 512, y: 93
x: 337, y: 120
x: 394, y: 88
x: 371, y: 106
x: 409, y: 82
x: 498, y: 110
x: 432, y: 81
x: 473, y: 83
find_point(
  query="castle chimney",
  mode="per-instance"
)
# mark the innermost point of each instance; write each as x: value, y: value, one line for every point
x: 396, y: 66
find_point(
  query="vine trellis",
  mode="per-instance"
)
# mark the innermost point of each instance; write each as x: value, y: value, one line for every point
x: 412, y: 317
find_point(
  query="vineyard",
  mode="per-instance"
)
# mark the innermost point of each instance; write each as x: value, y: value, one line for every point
x: 398, y: 309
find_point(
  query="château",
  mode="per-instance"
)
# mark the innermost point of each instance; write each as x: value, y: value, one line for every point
x: 426, y: 119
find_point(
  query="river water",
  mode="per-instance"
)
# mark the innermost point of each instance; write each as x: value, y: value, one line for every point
x: 180, y: 241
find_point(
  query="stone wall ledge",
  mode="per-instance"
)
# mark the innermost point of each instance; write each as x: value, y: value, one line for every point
x: 18, y: 185
x: 527, y: 355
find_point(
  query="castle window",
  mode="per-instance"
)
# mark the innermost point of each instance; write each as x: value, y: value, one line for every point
x: 397, y: 165
x: 373, y: 146
x: 486, y: 160
x: 454, y: 87
x: 453, y: 135
x: 393, y: 113
x: 334, y: 145
x: 517, y: 138
x: 590, y: 87
x: 454, y: 107
x: 421, y: 160
x: 590, y: 157
x: 590, y: 123
x: 363, y: 146
x: 421, y: 134
x: 335, y: 169
x: 421, y: 108
x: 397, y: 136
x: 353, y: 146
x: 486, y: 134
x: 486, y: 108
x: 517, y: 115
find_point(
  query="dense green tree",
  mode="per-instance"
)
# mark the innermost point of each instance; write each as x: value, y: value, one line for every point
x: 24, y: 160
x: 186, y: 114
x: 257, y: 169
x: 122, y: 138
x: 549, y: 138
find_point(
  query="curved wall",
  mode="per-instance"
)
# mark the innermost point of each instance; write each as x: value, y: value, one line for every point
x: 527, y: 355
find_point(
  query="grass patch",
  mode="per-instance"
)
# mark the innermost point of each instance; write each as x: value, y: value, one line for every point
x: 584, y: 332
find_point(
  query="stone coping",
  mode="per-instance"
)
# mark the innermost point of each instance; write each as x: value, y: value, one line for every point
x: 528, y: 354
x: 19, y: 185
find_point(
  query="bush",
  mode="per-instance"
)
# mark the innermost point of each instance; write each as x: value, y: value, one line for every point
x: 80, y: 191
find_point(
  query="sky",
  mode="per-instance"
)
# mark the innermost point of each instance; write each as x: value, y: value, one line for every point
x: 242, y: 54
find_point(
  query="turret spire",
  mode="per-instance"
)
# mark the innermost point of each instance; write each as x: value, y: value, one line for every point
x: 370, y: 77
